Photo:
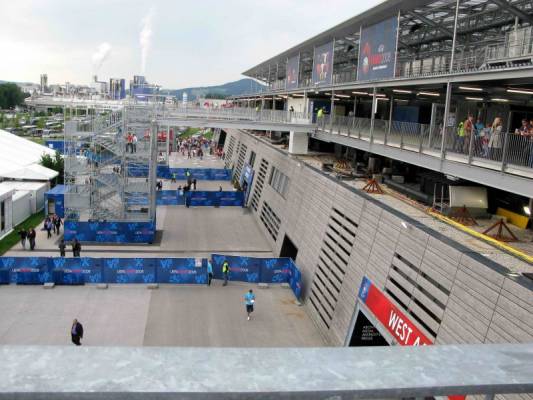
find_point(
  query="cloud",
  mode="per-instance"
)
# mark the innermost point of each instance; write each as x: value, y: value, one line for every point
x: 100, y: 55
x: 145, y: 37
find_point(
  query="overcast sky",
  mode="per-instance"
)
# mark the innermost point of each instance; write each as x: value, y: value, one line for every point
x: 185, y: 43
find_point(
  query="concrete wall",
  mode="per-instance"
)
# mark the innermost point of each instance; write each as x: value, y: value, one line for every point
x: 450, y: 293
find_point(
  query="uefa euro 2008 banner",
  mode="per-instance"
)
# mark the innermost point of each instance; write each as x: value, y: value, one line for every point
x: 199, y: 198
x: 110, y: 232
x: 200, y: 174
x: 82, y: 270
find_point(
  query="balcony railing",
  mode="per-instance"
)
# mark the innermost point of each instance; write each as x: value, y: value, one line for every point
x: 502, y: 151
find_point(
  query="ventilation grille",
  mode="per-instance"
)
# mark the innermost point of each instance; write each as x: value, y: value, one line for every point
x: 240, y: 160
x: 260, y: 182
x: 229, y: 153
x: 270, y: 220
x: 420, y: 295
x: 332, y: 263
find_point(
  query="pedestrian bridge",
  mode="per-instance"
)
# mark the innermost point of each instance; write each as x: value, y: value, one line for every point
x: 34, y: 372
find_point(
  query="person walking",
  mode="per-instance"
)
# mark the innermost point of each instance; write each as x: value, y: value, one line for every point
x: 57, y: 223
x: 76, y: 248
x: 62, y: 246
x: 48, y: 226
x: 23, y: 235
x: 249, y: 300
x: 225, y: 272
x: 31, y: 237
x: 76, y: 332
x: 134, y: 141
x: 209, y: 272
x: 173, y: 180
x: 194, y: 184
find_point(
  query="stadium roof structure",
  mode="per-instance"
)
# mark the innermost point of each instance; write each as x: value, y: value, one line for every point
x: 426, y: 28
x: 19, y: 158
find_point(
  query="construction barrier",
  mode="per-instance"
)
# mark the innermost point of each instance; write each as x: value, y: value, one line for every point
x: 82, y: 270
x: 200, y: 174
x: 200, y: 198
x: 110, y: 232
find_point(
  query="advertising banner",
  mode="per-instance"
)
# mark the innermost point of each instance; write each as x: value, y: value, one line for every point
x: 295, y: 279
x: 128, y: 270
x: 245, y: 181
x: 76, y: 271
x: 110, y: 232
x: 323, y: 64
x: 377, y: 50
x: 397, y: 324
x: 181, y: 270
x: 244, y: 269
x: 26, y: 270
x: 275, y: 270
x: 200, y: 174
x: 293, y: 67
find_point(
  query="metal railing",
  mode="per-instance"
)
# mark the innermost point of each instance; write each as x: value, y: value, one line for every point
x: 503, y: 151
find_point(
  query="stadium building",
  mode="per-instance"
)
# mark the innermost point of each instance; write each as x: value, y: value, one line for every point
x: 391, y: 91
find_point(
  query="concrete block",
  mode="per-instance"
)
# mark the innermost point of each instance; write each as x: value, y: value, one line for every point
x: 49, y: 285
x: 262, y: 285
x: 285, y: 285
x: 152, y: 286
x: 398, y: 178
x: 102, y: 286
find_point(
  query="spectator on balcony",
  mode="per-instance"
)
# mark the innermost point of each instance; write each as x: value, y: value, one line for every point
x: 496, y: 139
x: 129, y: 140
x: 469, y: 133
x: 134, y: 143
x: 524, y: 128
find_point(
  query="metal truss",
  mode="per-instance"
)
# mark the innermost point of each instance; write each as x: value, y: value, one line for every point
x: 106, y: 178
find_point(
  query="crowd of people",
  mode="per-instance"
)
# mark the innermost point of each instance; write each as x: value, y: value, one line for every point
x: 488, y: 140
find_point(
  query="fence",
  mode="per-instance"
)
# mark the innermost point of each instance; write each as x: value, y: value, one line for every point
x: 201, y: 174
x: 200, y: 198
x: 110, y: 232
x: 82, y: 270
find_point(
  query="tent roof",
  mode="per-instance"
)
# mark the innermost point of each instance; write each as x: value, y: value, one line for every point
x: 18, y: 154
x: 34, y: 172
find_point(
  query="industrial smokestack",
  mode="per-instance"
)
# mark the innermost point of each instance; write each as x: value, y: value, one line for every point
x: 101, y: 54
x: 145, y: 37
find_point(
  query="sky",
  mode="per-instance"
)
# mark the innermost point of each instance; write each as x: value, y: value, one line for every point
x: 175, y: 44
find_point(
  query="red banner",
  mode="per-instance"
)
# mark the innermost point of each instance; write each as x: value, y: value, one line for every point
x: 397, y: 324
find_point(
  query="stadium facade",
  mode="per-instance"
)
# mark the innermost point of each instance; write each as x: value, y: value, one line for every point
x: 397, y: 83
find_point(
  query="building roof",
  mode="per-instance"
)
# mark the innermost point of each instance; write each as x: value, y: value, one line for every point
x: 19, y: 158
x: 5, y: 192
x: 24, y: 186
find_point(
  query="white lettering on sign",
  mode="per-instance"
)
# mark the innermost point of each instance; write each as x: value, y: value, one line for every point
x: 401, y: 329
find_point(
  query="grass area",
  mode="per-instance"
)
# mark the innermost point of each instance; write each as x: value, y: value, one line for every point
x: 13, y: 238
x: 189, y: 132
x: 36, y: 140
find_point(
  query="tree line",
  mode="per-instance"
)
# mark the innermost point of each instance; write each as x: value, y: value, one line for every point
x: 11, y: 96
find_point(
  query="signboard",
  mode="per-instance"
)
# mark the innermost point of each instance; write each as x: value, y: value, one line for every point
x: 245, y: 181
x: 181, y: 270
x: 397, y: 324
x: 323, y: 64
x: 377, y: 50
x: 293, y: 67
x: 129, y: 270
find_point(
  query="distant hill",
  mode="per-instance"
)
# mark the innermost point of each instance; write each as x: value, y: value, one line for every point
x: 242, y: 86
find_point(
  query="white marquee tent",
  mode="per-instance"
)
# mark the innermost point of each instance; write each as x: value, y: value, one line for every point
x: 19, y: 159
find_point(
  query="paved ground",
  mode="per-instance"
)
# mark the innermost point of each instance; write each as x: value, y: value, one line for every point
x: 169, y: 316
x: 195, y: 232
x: 176, y: 160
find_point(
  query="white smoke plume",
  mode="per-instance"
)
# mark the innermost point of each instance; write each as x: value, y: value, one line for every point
x: 100, y: 55
x: 145, y: 37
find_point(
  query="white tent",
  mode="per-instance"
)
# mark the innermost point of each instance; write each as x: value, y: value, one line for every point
x: 19, y: 158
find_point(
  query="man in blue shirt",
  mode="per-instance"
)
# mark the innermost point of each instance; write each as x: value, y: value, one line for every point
x: 209, y: 272
x: 249, y: 300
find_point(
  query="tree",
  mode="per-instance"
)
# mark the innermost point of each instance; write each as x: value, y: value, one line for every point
x: 11, y: 96
x: 41, y: 123
x: 56, y: 163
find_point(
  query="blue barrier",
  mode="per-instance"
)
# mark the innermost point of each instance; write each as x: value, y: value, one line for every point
x: 57, y: 145
x: 265, y: 270
x: 200, y: 174
x: 200, y: 198
x: 129, y: 270
x: 76, y: 271
x: 110, y: 232
x: 182, y: 270
x: 27, y: 270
